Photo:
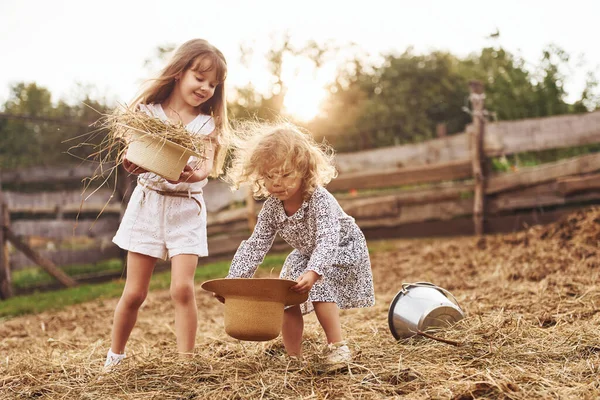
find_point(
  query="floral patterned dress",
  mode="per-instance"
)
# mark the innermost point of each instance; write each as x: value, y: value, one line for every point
x: 325, y: 240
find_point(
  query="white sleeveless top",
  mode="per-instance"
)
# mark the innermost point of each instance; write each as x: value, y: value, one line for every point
x: 201, y: 125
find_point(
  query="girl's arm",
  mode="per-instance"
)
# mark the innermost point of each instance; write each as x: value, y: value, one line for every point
x: 251, y: 252
x: 328, y: 234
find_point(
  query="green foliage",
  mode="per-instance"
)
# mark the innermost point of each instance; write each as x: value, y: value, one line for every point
x: 509, y: 90
x: 532, y: 158
x: 404, y: 99
x: 30, y: 277
x: 42, y: 136
x: 56, y: 300
x: 400, y: 102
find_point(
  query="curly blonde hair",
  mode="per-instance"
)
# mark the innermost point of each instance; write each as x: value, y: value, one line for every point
x: 260, y: 149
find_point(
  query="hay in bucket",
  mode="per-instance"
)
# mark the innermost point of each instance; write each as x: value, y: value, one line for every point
x: 254, y: 307
x: 155, y: 145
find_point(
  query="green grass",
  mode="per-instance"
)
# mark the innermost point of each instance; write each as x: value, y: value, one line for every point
x: 535, y: 158
x: 29, y: 277
x: 58, y: 299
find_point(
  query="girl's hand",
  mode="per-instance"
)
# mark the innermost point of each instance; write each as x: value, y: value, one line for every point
x: 305, y: 282
x: 187, y: 175
x: 132, y: 168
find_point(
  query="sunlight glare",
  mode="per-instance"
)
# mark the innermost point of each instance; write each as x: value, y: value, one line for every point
x: 306, y: 87
x: 303, y: 99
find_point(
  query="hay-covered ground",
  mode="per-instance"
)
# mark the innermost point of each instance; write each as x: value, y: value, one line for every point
x: 532, y: 331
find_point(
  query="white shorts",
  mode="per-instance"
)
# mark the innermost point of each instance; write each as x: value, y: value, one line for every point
x: 163, y: 226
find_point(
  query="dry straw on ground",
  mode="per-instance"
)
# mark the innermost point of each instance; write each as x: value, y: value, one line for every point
x: 531, y: 332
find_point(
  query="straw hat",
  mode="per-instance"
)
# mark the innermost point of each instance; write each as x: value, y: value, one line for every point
x: 158, y: 155
x: 254, y: 307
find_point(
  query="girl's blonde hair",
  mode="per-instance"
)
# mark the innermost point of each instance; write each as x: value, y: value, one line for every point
x: 192, y: 54
x: 261, y: 149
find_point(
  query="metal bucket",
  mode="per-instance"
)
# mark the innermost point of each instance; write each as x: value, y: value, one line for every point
x: 421, y: 306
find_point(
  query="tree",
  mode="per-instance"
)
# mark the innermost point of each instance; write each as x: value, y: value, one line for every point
x: 22, y: 141
x: 550, y: 88
x: 590, y: 98
x: 39, y: 132
x: 403, y: 99
x: 510, y: 93
x: 398, y: 102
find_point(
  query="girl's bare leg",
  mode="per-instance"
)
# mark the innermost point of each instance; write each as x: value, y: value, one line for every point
x: 293, y: 325
x: 183, y: 267
x: 328, y: 315
x: 139, y: 272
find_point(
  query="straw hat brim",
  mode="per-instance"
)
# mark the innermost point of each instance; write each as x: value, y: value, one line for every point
x: 266, y: 289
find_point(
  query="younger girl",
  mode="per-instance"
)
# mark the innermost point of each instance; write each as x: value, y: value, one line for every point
x: 168, y: 218
x: 331, y: 259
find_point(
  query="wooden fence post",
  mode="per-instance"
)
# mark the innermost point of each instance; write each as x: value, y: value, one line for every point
x: 5, y: 278
x: 477, y: 98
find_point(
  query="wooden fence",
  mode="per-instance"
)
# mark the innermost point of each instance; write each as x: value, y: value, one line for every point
x: 439, y: 187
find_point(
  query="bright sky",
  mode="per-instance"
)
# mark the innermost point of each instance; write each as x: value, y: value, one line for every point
x: 60, y: 43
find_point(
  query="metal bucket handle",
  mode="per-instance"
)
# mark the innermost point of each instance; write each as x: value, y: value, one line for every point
x: 405, y: 287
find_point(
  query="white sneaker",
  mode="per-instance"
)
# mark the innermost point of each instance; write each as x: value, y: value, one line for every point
x: 112, y: 360
x: 338, y: 353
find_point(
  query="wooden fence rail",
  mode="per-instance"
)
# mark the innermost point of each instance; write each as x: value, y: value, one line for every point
x: 460, y: 169
x: 500, y: 138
